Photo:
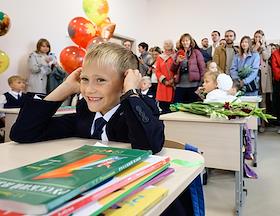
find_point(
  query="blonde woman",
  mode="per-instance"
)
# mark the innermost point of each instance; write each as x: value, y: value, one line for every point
x: 165, y: 89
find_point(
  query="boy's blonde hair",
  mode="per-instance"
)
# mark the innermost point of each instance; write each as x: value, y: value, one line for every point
x: 111, y: 54
x: 14, y: 78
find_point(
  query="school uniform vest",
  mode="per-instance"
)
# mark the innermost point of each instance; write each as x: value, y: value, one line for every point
x: 12, y: 102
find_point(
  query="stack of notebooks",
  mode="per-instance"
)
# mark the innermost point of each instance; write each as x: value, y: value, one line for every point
x: 89, y: 180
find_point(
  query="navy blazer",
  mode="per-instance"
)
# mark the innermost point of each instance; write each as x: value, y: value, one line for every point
x: 136, y: 121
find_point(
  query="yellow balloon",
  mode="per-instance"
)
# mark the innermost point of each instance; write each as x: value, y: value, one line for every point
x: 96, y: 10
x: 4, y: 61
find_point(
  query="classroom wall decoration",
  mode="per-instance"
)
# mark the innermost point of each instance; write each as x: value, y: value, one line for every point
x: 96, y: 10
x: 4, y: 28
x: 81, y: 31
x: 71, y: 58
x: 4, y: 61
x: 85, y: 33
x: 4, y: 23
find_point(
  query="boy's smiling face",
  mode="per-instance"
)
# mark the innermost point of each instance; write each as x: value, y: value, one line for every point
x: 101, y: 87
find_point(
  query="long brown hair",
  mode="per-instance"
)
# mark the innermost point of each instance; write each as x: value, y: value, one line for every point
x: 254, y: 42
x: 40, y: 43
x: 192, y: 45
x: 250, y: 48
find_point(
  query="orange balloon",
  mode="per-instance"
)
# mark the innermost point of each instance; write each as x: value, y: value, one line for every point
x: 71, y: 58
x: 107, y: 30
x: 81, y: 31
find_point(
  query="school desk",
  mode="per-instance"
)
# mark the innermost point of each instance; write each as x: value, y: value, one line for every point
x: 221, y: 142
x: 12, y: 113
x: 13, y: 155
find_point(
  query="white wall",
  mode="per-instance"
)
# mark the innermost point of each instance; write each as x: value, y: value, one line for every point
x: 145, y: 20
x: 34, y: 19
x: 171, y: 18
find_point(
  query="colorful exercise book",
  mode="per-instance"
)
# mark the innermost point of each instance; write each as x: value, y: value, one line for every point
x: 139, y: 203
x: 120, y: 180
x: 97, y: 207
x: 40, y: 187
x: 127, y: 176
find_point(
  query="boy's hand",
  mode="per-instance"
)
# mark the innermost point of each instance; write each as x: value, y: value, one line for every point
x: 73, y: 80
x: 131, y: 80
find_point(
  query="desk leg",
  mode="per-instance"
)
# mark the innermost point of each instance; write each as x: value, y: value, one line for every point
x: 239, y: 179
x: 255, y: 147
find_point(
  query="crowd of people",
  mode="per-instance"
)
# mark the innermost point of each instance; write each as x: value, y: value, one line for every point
x: 180, y: 73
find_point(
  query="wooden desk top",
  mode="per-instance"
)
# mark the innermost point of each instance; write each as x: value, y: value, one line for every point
x: 13, y: 155
x: 185, y: 116
x: 10, y: 110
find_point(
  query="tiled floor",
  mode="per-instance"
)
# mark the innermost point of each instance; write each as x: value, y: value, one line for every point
x: 263, y: 197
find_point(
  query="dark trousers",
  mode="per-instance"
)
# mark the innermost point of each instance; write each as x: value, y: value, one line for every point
x: 185, y: 95
x: 276, y: 100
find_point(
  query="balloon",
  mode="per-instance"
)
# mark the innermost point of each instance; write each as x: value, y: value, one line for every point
x: 105, y: 22
x: 4, y: 23
x: 81, y: 31
x: 107, y: 31
x: 4, y: 61
x: 96, y: 10
x: 99, y: 28
x: 71, y: 58
x: 95, y: 41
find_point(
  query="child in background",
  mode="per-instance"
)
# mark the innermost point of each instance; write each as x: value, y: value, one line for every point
x: 13, y: 98
x: 217, y: 87
x: 145, y: 85
x: 212, y: 67
x: 236, y: 87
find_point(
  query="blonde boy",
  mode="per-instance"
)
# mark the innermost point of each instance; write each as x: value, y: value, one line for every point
x: 111, y: 108
x: 15, y: 97
x: 145, y: 85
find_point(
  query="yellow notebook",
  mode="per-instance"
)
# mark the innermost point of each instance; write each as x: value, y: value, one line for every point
x: 139, y: 203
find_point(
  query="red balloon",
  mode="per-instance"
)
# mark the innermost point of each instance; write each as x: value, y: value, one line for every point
x: 71, y: 58
x: 81, y: 31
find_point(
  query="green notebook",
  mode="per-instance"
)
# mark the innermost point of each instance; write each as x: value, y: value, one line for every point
x: 40, y: 187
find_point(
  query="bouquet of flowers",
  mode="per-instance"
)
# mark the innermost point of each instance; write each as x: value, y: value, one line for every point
x: 244, y: 72
x: 222, y: 110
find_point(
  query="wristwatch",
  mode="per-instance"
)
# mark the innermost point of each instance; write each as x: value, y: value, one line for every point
x: 129, y: 93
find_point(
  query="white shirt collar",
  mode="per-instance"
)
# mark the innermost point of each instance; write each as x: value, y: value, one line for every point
x: 145, y: 92
x: 15, y: 94
x: 107, y: 117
